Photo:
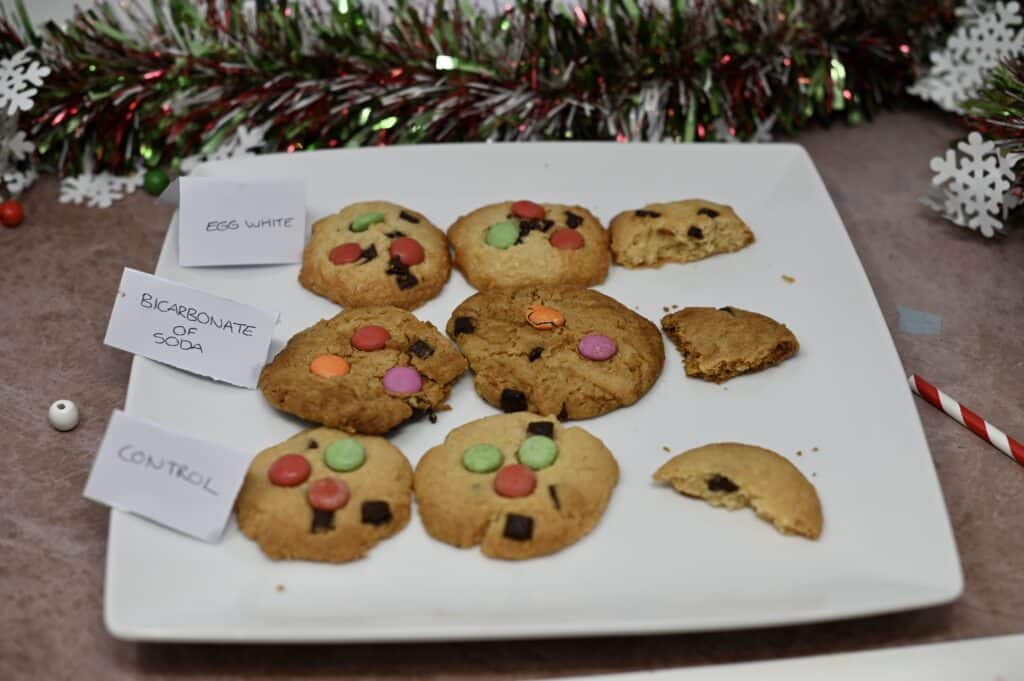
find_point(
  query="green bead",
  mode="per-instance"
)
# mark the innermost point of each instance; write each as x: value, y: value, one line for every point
x: 538, y: 451
x: 482, y: 458
x: 344, y: 455
x: 502, y: 234
x: 363, y: 222
x: 155, y: 181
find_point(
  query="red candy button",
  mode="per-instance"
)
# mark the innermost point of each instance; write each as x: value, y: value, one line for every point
x: 567, y: 239
x: 515, y: 480
x: 346, y: 253
x: 328, y: 494
x: 528, y: 210
x: 408, y: 250
x: 370, y: 337
x: 289, y: 470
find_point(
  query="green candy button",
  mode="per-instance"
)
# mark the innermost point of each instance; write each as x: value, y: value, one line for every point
x: 502, y: 234
x: 538, y: 451
x: 344, y: 455
x: 482, y: 458
x: 363, y: 222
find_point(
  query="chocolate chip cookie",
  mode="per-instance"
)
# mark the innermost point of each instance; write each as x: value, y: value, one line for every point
x: 718, y: 344
x: 735, y: 475
x: 522, y: 243
x: 325, y: 495
x: 365, y: 370
x: 376, y: 253
x: 520, y: 485
x: 561, y: 351
x: 680, y: 231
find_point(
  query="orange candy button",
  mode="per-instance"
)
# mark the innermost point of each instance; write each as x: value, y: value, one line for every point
x: 515, y: 480
x: 566, y: 239
x: 328, y: 494
x: 329, y: 366
x: 543, y: 317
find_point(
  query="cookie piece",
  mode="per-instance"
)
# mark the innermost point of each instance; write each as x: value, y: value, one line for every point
x: 556, y: 350
x: 720, y: 344
x: 680, y: 231
x: 520, y: 485
x: 521, y: 243
x: 376, y: 253
x: 366, y: 370
x: 736, y: 475
x: 325, y: 495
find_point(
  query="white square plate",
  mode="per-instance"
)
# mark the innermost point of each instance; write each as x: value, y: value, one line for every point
x: 658, y: 561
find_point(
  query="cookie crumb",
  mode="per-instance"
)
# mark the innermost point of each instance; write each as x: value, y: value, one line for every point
x: 788, y: 279
x: 799, y: 452
x: 814, y: 475
x: 814, y: 449
x: 280, y: 588
x: 664, y: 308
x: 665, y: 448
x: 675, y: 307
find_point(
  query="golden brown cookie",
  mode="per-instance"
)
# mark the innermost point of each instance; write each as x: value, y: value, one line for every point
x: 556, y: 350
x: 376, y: 253
x: 521, y: 243
x: 736, y: 475
x: 720, y: 344
x: 365, y: 370
x: 520, y: 485
x: 680, y: 231
x: 325, y: 495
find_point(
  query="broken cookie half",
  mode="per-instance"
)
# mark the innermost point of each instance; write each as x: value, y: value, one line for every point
x: 734, y: 475
x: 718, y: 344
x: 680, y: 231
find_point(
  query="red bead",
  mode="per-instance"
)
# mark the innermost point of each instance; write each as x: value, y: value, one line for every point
x: 289, y: 470
x: 408, y: 250
x: 328, y: 494
x: 528, y: 210
x: 515, y: 480
x: 11, y: 213
x: 346, y: 253
x: 567, y: 239
x: 370, y: 337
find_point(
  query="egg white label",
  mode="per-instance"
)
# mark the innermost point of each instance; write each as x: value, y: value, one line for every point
x: 183, y: 483
x: 225, y: 222
x: 190, y: 329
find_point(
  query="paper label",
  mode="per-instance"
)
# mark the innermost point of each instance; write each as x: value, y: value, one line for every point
x: 226, y: 222
x: 190, y: 329
x: 186, y: 484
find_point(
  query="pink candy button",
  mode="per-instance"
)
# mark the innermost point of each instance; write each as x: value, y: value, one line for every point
x: 597, y: 347
x: 402, y: 380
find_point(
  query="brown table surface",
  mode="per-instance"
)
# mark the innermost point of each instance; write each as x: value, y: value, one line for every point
x: 59, y: 272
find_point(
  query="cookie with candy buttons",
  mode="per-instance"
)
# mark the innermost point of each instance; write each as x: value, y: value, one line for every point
x: 376, y: 253
x: 522, y: 243
x: 556, y: 350
x: 366, y: 370
x: 519, y: 485
x: 325, y: 495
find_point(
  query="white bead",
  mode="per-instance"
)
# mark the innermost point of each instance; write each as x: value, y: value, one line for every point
x: 63, y: 415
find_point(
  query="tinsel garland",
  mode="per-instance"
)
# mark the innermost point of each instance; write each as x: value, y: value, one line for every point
x: 997, y: 110
x: 159, y: 84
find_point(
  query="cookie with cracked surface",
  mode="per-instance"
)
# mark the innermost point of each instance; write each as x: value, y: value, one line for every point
x: 719, y: 344
x: 519, y: 485
x: 521, y: 243
x: 376, y: 253
x: 733, y: 475
x: 680, y: 231
x: 325, y: 495
x: 366, y: 370
x: 556, y: 350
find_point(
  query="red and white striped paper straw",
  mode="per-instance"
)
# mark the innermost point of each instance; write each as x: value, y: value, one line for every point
x: 965, y: 417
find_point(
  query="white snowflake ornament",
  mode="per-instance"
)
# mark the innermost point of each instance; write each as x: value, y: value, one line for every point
x: 20, y: 78
x: 245, y: 142
x: 970, y: 187
x: 988, y: 36
x: 100, y: 190
x: 17, y: 181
